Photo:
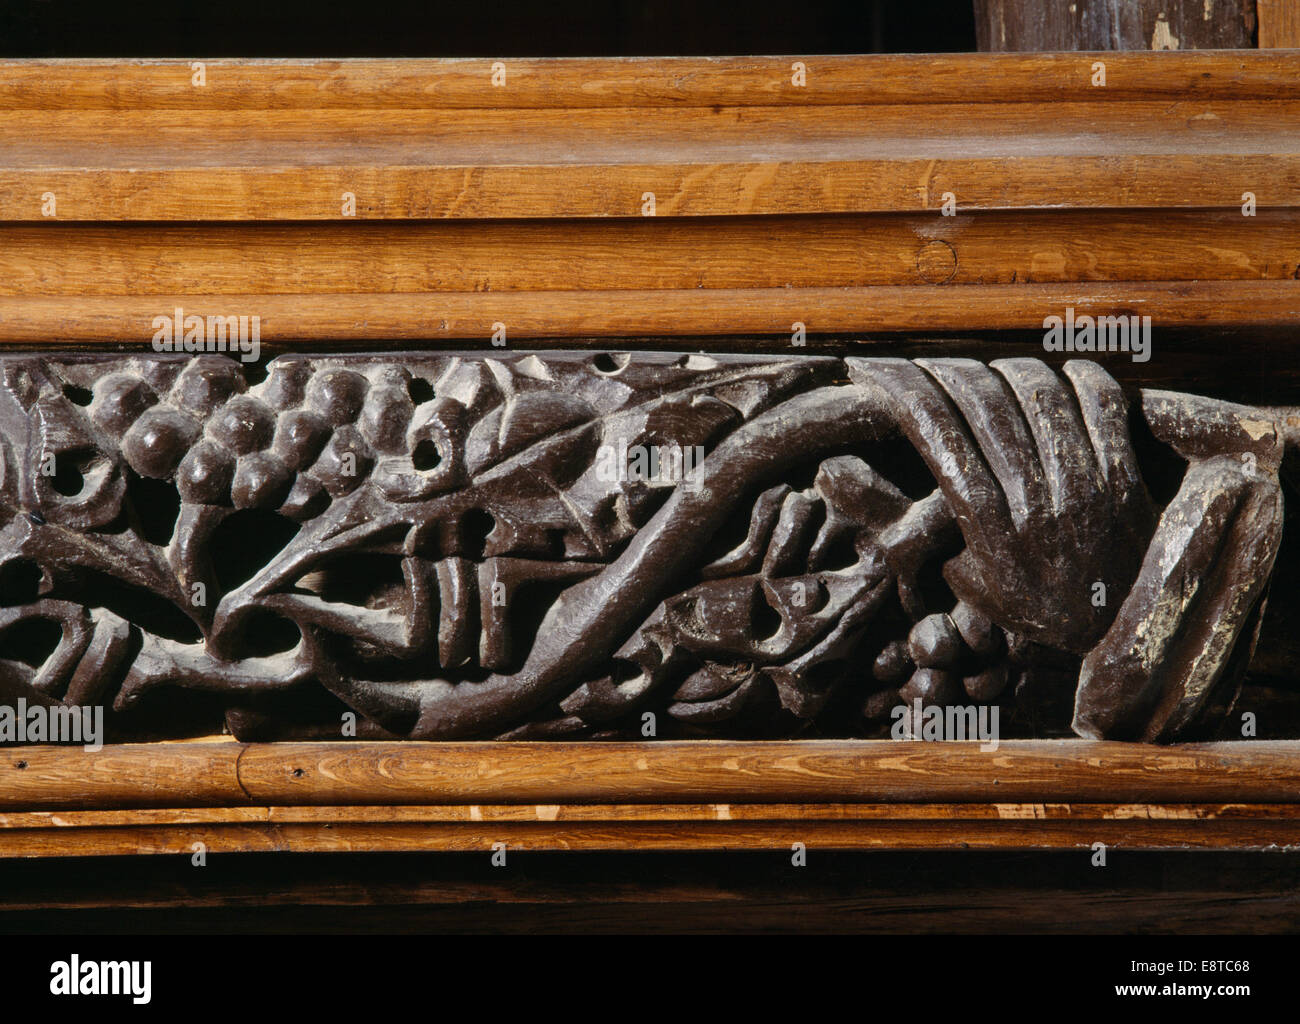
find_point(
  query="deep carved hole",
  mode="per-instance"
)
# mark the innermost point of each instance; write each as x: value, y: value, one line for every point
x: 255, y: 373
x: 426, y: 456
x: 78, y: 395
x: 157, y: 505
x: 30, y: 641
x: 733, y: 532
x: 901, y: 465
x: 841, y: 553
x: 420, y: 390
x: 20, y: 582
x: 804, y: 475
x: 821, y: 677
x: 1283, y: 606
x: 264, y: 633
x: 808, y: 536
x: 610, y: 362
x: 767, y: 621
x: 151, y: 612
x: 555, y: 545
x: 474, y: 530
x: 1162, y: 467
x: 528, y: 607
x: 245, y: 543
x: 932, y: 588
x: 68, y: 479
x: 361, y: 579
x: 170, y: 712
x: 644, y: 502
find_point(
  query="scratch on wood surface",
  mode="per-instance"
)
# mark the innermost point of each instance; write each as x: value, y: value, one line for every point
x: 1021, y: 811
x: 924, y: 186
x: 1152, y: 812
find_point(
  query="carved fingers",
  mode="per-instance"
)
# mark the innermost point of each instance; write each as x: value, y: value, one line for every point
x: 1040, y: 475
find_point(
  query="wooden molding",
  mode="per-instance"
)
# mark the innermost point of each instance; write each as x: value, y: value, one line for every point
x: 526, y: 203
x: 610, y: 314
x: 652, y: 828
x: 638, y: 82
x: 163, y: 798
x: 283, y: 140
x: 222, y: 772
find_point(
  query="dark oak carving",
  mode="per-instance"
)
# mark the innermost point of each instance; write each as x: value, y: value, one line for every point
x: 587, y: 544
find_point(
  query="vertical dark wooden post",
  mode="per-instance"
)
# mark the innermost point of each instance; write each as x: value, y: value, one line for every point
x: 1032, y: 25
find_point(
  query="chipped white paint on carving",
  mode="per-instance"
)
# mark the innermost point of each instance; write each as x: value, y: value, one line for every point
x: 1162, y: 38
x: 1258, y: 428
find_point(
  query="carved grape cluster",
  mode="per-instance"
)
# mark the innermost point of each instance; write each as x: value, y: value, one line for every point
x: 947, y: 658
x: 302, y: 438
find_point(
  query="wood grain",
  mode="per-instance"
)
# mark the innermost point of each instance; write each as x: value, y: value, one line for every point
x: 637, y: 81
x: 1279, y: 23
x: 770, y: 184
x: 1025, y: 247
x: 159, y: 773
x: 226, y: 773
x: 522, y: 204
x: 667, y: 277
x: 652, y: 828
x: 435, y: 140
x: 417, y: 316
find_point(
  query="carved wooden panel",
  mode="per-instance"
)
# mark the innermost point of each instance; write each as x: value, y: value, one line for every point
x: 579, y: 545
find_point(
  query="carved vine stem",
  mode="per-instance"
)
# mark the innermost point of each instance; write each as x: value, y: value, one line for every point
x: 565, y: 544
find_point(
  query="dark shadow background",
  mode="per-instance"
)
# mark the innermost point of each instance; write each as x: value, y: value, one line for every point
x: 880, y: 893
x: 480, y: 28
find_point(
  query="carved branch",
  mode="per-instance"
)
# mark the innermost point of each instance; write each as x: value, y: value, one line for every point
x: 567, y: 545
